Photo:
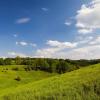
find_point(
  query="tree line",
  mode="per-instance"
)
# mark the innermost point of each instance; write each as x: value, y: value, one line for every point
x: 48, y: 64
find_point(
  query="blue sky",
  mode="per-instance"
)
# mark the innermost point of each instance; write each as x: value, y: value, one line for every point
x: 47, y: 28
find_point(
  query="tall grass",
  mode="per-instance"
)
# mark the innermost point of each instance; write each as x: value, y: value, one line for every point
x: 82, y: 84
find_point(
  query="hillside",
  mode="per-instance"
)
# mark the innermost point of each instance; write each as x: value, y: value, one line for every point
x: 8, y: 74
x: 82, y: 84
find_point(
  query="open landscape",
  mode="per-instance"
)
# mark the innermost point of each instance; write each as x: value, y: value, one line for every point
x: 49, y: 49
x: 78, y: 83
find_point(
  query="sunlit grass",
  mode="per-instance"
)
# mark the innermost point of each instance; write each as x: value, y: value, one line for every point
x: 82, y: 84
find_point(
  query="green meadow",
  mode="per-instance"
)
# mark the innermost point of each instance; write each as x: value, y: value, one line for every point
x: 81, y: 84
x: 8, y: 76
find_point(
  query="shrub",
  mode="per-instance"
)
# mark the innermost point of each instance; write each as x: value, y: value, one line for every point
x: 16, y: 69
x: 17, y: 78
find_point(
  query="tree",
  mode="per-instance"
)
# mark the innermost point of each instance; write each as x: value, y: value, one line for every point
x: 7, y: 61
x: 27, y: 61
x: 1, y: 61
x: 18, y: 60
x: 62, y: 67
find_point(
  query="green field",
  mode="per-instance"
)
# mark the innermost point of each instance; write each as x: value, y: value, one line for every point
x: 7, y: 76
x: 82, y: 84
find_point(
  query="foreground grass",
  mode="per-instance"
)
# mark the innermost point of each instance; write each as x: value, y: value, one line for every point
x: 82, y: 84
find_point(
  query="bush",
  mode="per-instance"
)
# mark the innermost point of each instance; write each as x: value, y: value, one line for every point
x: 17, y: 78
x: 16, y: 69
x: 6, y: 69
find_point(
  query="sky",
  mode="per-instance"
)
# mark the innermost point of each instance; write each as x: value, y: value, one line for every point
x: 50, y: 28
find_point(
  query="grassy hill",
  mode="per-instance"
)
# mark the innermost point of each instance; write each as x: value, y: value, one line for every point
x: 8, y: 75
x: 82, y: 84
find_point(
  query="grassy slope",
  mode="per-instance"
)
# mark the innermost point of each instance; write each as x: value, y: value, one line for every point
x: 82, y: 84
x: 7, y: 77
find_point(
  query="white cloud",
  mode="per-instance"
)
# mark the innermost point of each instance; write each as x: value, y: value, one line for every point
x: 95, y: 41
x: 23, y: 20
x: 55, y: 47
x: 87, y: 48
x: 46, y: 52
x: 22, y: 43
x: 87, y: 52
x: 88, y: 17
x: 61, y: 44
x: 85, y: 40
x: 44, y: 9
x: 85, y: 31
x: 68, y: 23
x: 14, y: 54
x: 32, y: 44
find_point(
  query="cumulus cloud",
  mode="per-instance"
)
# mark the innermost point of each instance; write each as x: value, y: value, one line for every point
x: 23, y: 20
x: 87, y: 48
x: 88, y: 17
x: 85, y: 40
x: 95, y: 41
x: 55, y: 47
x: 86, y: 52
x: 61, y: 44
x: 46, y: 52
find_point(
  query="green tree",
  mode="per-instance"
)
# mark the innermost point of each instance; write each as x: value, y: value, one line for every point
x: 1, y: 61
x: 62, y: 67
x: 7, y: 61
x: 18, y: 60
